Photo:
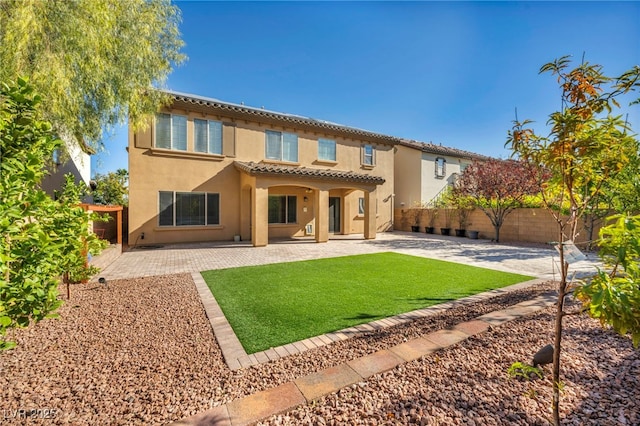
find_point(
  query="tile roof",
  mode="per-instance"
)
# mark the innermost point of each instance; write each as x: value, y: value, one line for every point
x: 267, y: 169
x: 263, y: 115
x: 273, y: 117
x: 442, y: 150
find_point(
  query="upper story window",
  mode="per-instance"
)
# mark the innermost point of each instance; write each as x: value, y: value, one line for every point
x: 368, y: 155
x: 281, y: 146
x: 441, y: 167
x: 207, y: 136
x: 326, y: 149
x: 171, y: 131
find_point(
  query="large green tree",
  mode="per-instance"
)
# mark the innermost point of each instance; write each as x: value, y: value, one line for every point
x: 112, y: 188
x: 92, y: 61
x: 586, y: 147
x: 41, y: 239
x: 620, y: 193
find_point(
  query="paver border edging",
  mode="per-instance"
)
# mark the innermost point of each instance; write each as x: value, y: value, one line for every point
x: 289, y: 395
x: 229, y: 344
x: 236, y: 357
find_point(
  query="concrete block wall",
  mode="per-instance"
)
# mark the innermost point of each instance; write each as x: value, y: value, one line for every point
x: 521, y: 225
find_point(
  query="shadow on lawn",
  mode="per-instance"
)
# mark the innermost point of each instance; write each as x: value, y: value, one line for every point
x: 427, y: 301
x: 416, y: 303
x: 365, y: 316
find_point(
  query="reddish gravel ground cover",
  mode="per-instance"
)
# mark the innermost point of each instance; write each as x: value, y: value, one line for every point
x: 142, y: 352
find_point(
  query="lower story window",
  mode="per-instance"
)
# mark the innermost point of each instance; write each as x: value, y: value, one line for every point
x: 282, y: 209
x: 188, y: 208
x: 361, y: 206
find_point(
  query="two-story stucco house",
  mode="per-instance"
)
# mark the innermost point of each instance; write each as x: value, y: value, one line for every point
x: 208, y: 170
x: 73, y: 159
x: 424, y: 171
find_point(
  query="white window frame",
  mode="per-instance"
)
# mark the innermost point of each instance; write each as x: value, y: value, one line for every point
x: 173, y: 143
x: 174, y: 208
x: 331, y: 145
x: 440, y: 167
x: 212, y: 146
x: 361, y: 208
x: 368, y: 160
x: 282, y: 154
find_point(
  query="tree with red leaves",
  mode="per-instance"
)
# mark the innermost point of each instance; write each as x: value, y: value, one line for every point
x: 498, y: 187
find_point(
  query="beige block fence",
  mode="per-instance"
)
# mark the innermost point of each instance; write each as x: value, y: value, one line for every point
x: 521, y: 225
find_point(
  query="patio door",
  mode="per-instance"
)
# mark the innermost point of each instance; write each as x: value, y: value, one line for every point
x: 334, y: 215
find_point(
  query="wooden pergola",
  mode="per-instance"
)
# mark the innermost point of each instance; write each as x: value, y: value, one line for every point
x: 108, y: 209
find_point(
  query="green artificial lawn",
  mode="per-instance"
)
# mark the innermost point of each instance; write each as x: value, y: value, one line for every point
x: 272, y: 305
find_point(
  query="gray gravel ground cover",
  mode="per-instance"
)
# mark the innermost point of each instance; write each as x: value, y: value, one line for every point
x: 142, y: 352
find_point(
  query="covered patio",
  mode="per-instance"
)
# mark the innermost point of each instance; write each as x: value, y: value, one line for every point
x: 331, y: 201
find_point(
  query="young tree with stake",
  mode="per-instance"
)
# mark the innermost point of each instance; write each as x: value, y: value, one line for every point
x: 582, y: 151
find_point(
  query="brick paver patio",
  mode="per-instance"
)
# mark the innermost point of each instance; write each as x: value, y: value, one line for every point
x: 197, y: 257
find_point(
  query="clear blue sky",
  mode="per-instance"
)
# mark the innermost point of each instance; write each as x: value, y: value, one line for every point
x: 442, y: 72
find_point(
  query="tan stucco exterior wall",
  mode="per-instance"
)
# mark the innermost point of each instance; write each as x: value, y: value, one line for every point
x: 408, y: 178
x: 243, y: 198
x: 415, y: 179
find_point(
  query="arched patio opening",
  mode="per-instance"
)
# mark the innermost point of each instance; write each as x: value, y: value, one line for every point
x: 284, y: 202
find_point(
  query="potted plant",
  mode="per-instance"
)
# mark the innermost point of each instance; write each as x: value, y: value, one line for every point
x: 447, y: 221
x: 462, y: 212
x: 411, y: 217
x: 432, y: 213
x: 463, y: 206
x: 415, y: 214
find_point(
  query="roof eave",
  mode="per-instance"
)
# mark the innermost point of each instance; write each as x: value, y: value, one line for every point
x: 310, y: 174
x: 242, y: 112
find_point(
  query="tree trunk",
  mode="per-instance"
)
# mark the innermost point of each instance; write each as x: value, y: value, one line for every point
x: 557, y: 342
x: 497, y: 228
x: 557, y: 347
x: 590, y: 224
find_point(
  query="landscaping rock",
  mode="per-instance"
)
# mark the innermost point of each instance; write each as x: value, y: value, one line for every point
x: 142, y: 352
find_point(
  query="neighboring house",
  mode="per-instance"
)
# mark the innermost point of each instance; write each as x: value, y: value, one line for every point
x: 70, y: 159
x: 423, y: 171
x: 208, y: 170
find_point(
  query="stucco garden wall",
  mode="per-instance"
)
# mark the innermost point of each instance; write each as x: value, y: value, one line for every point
x: 525, y: 225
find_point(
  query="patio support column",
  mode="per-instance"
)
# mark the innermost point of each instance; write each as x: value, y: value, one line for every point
x: 347, y: 214
x: 119, y: 226
x: 245, y: 230
x: 260, y: 217
x: 321, y: 207
x: 370, y: 202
